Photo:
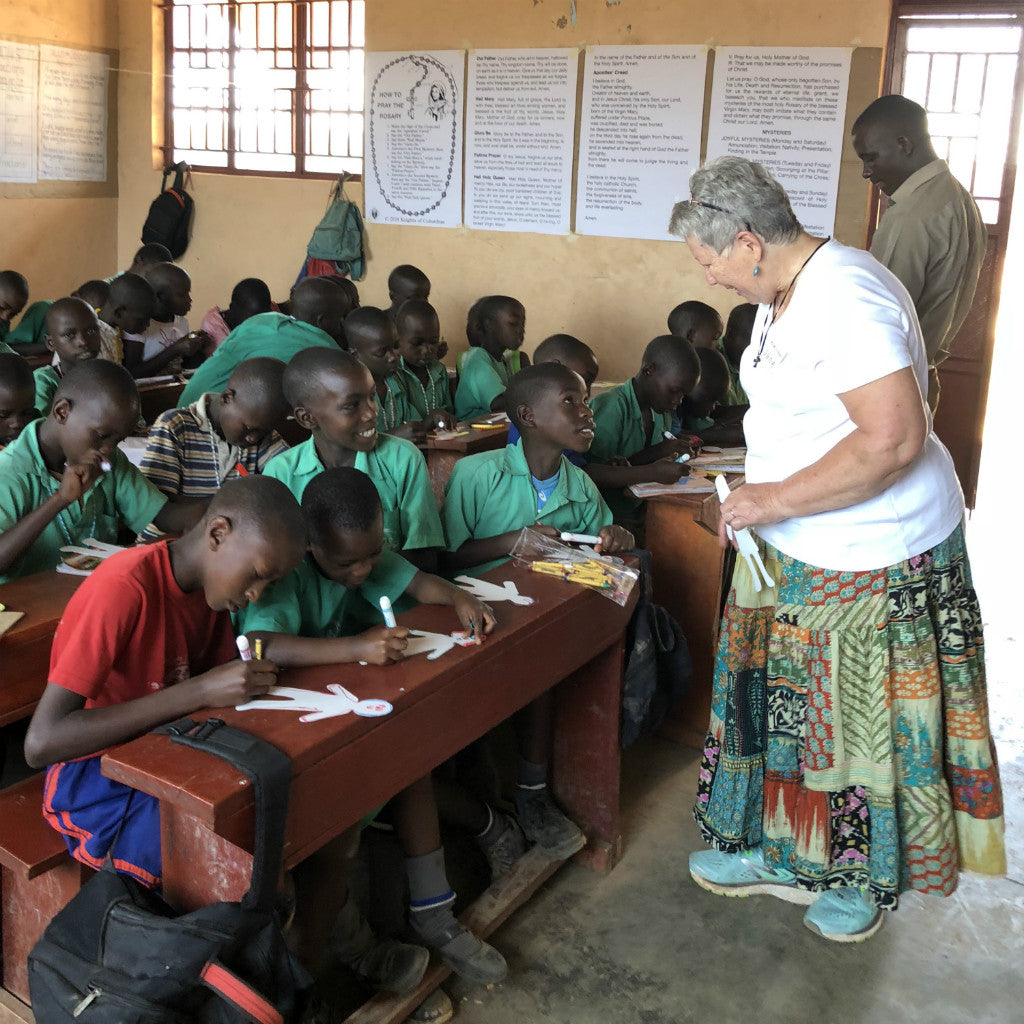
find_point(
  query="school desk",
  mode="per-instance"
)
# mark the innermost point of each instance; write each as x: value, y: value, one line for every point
x: 442, y: 454
x: 344, y: 767
x: 158, y: 394
x: 25, y: 647
x: 691, y: 576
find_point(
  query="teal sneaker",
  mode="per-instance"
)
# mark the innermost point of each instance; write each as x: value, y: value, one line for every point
x: 844, y: 915
x: 746, y: 874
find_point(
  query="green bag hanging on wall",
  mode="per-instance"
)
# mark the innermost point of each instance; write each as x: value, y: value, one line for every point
x: 338, y: 238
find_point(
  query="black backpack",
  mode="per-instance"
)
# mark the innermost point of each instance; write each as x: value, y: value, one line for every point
x: 169, y: 221
x: 118, y: 954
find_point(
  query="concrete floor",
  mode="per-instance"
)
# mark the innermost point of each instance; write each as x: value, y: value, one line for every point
x: 645, y: 945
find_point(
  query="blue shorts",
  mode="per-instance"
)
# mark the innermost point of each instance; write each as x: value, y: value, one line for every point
x: 88, y: 809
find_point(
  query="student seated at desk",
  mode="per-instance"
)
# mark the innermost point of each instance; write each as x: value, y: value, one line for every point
x: 73, y: 336
x: 630, y: 423
x: 406, y: 282
x: 54, y: 489
x: 483, y: 371
x: 13, y: 296
x: 146, y: 256
x: 490, y: 498
x: 696, y: 412
x: 697, y: 322
x: 372, y: 337
x: 318, y: 310
x: 423, y: 375
x: 17, y: 397
x: 580, y: 358
x: 318, y: 615
x: 166, y: 343
x: 96, y: 293
x: 145, y: 640
x: 193, y: 451
x: 249, y: 297
x: 332, y: 395
x: 735, y: 342
x: 127, y: 310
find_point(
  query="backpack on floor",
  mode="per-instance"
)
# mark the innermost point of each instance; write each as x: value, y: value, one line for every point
x: 658, y: 665
x: 338, y: 238
x: 118, y: 954
x: 170, y: 215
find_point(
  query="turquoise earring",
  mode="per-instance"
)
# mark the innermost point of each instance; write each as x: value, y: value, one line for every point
x: 756, y: 268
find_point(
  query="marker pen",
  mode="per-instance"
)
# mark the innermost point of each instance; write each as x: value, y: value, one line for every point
x: 388, y: 612
x: 241, y: 470
x: 242, y: 643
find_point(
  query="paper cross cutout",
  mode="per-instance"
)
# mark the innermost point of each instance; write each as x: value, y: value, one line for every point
x: 487, y: 591
x: 317, y: 706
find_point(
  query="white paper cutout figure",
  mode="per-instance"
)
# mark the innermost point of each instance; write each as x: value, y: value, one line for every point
x: 484, y: 590
x: 317, y: 705
x: 431, y: 644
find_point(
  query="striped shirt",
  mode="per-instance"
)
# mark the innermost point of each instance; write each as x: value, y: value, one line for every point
x: 185, y: 455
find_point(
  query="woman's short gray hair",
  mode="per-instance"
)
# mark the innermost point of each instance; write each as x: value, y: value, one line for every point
x: 729, y: 195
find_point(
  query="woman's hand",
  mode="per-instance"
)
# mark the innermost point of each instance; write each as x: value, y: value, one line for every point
x: 749, y: 505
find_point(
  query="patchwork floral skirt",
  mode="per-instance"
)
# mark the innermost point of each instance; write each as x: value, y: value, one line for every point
x: 849, y: 726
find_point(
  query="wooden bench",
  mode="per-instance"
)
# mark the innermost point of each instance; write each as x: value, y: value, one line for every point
x: 37, y: 878
x: 25, y: 647
x: 160, y: 394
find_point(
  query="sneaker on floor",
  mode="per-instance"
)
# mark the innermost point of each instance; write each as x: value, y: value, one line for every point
x: 844, y: 915
x: 465, y: 953
x: 746, y: 874
x: 544, y: 824
x: 509, y: 846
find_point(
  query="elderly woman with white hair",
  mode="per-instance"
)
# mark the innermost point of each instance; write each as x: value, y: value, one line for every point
x: 848, y: 757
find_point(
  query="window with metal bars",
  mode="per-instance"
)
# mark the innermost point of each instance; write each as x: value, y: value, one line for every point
x: 265, y: 86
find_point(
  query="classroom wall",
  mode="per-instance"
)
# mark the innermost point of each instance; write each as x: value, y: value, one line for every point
x: 613, y: 293
x: 60, y: 234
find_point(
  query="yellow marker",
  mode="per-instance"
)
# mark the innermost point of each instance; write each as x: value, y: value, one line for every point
x: 258, y: 647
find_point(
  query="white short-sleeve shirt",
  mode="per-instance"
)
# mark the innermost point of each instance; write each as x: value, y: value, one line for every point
x: 849, y: 322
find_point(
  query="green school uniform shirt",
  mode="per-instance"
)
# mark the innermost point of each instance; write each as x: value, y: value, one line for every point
x: 436, y: 395
x: 491, y: 493
x: 265, y: 334
x: 31, y: 329
x: 481, y: 380
x: 4, y: 347
x: 399, y: 473
x: 394, y: 409
x: 307, y: 603
x: 619, y: 430
x: 47, y: 382
x: 123, y: 495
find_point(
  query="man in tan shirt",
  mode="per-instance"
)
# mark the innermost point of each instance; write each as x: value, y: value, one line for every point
x: 931, y: 236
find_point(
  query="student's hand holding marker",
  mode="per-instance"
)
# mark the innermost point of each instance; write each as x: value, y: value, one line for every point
x: 613, y: 540
x: 665, y: 471
x: 476, y: 617
x: 380, y: 645
x: 237, y: 681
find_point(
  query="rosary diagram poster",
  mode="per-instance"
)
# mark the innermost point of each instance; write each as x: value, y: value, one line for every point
x: 639, y: 137
x: 520, y: 122
x: 413, y: 155
x: 784, y: 108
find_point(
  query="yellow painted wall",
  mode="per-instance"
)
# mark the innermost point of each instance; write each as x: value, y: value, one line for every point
x: 613, y: 293
x: 60, y: 234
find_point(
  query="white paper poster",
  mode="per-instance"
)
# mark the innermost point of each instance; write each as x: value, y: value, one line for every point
x: 413, y: 157
x: 639, y: 137
x: 19, y: 76
x: 520, y: 120
x: 72, y: 114
x: 784, y: 108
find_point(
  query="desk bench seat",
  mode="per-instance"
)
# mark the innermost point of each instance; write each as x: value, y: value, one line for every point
x: 37, y: 878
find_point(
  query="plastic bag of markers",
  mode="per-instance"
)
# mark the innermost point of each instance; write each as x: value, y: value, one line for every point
x: 575, y: 563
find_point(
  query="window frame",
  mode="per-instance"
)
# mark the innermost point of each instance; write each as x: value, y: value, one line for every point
x: 300, y: 107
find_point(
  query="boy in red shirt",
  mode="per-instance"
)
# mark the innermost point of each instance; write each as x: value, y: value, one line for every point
x: 145, y: 640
